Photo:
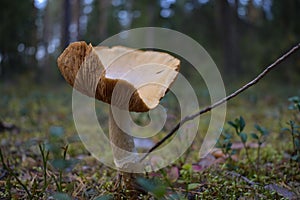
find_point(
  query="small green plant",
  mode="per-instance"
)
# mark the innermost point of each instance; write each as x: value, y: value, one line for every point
x: 294, y: 128
x: 225, y: 144
x: 11, y: 174
x: 260, y: 138
x: 166, y: 179
x: 187, y: 175
x: 60, y: 164
x: 45, y: 157
x: 239, y: 125
x: 58, y: 148
x: 295, y: 103
x: 154, y: 186
x: 294, y: 131
x: 105, y: 197
x: 225, y: 141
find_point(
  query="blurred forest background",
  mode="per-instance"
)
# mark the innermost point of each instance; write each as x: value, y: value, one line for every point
x: 242, y: 36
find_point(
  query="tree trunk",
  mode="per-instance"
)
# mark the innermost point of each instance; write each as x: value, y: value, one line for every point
x: 103, y: 8
x: 228, y: 30
x: 76, y: 11
x: 44, y: 63
x: 66, y: 23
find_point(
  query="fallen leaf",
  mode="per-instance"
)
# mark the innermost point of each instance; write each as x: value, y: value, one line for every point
x: 173, y: 174
x: 217, y: 153
x: 206, y: 162
x: 251, y: 145
x: 197, y: 168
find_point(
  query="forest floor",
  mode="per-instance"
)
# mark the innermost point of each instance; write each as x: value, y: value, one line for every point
x: 257, y: 156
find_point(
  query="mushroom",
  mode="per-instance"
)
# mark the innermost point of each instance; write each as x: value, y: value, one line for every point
x: 127, y: 79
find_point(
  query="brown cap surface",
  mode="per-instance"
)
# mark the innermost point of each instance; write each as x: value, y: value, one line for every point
x: 120, y: 76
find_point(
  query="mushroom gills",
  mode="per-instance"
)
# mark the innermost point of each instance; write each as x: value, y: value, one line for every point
x: 147, y: 73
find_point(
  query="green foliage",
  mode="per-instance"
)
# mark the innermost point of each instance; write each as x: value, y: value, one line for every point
x: 56, y: 132
x: 243, y: 137
x: 154, y: 186
x: 295, y: 103
x: 45, y: 158
x: 105, y: 197
x: 45, y: 138
x: 59, y: 150
x: 61, y: 196
x: 294, y: 130
x: 225, y: 143
x: 254, y: 136
x: 62, y: 164
x: 13, y: 174
x: 186, y: 172
x: 193, y: 186
x: 260, y: 139
x: 239, y: 124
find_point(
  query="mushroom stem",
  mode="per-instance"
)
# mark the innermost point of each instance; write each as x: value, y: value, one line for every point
x: 121, y: 140
x: 122, y: 145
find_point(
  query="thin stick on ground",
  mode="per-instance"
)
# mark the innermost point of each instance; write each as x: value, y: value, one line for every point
x: 225, y: 99
x: 248, y: 181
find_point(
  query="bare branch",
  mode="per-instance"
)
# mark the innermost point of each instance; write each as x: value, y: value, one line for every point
x: 227, y: 98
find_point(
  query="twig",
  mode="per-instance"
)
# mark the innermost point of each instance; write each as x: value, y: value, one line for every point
x: 248, y: 181
x: 225, y: 99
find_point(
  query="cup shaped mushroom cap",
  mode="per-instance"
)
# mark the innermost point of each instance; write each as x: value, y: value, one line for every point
x: 127, y: 78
